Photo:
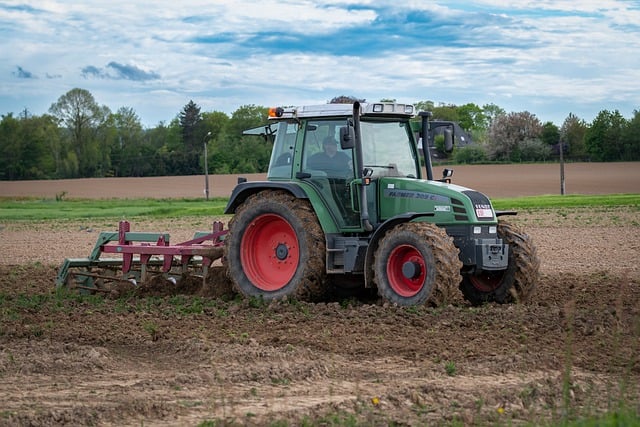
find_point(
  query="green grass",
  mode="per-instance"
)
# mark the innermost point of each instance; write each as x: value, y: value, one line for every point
x: 568, y: 201
x: 49, y: 209
x: 12, y: 209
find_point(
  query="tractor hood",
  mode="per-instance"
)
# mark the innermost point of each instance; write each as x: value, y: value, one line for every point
x: 449, y: 203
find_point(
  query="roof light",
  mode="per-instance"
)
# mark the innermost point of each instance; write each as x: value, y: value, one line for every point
x: 276, y: 111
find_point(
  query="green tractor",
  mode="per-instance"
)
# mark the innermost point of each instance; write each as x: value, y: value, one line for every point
x: 345, y: 206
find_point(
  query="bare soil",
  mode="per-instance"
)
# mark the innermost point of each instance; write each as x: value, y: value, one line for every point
x: 496, y: 181
x: 186, y: 355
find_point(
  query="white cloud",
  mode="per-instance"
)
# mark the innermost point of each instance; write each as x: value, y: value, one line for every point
x: 558, y: 56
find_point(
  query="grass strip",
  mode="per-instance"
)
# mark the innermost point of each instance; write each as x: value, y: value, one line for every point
x: 35, y: 209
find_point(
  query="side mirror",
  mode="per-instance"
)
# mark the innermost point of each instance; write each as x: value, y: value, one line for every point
x: 446, y: 175
x: 347, y: 137
x: 448, y: 140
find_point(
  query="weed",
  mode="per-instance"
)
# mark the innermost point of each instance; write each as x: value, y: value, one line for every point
x: 256, y: 302
x: 191, y: 403
x: 450, y: 368
x: 152, y: 329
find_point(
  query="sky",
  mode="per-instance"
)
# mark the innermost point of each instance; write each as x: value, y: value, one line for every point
x: 550, y: 58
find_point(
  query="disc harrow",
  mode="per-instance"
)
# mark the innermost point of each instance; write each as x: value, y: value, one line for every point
x: 135, y: 257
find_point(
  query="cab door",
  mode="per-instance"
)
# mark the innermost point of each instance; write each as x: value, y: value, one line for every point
x: 333, y: 183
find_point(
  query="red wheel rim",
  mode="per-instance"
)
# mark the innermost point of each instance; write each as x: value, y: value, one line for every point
x: 269, y: 252
x: 487, y: 282
x: 400, y: 283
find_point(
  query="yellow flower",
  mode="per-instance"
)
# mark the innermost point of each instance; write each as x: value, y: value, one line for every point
x: 375, y: 401
x: 500, y: 410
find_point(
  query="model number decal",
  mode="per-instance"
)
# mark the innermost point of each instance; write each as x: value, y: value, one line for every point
x: 407, y: 194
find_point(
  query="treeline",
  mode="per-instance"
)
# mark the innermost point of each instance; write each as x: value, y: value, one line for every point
x: 499, y: 136
x: 79, y: 138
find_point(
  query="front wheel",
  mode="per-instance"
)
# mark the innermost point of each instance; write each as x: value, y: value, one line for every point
x: 416, y: 263
x: 517, y: 282
x: 275, y: 248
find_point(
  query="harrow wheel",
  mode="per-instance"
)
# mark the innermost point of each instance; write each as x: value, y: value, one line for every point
x: 516, y: 283
x: 416, y: 263
x: 276, y: 248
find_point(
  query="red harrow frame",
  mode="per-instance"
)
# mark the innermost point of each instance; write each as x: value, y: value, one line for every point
x: 134, y: 258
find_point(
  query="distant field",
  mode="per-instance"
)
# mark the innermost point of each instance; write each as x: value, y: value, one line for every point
x: 497, y: 181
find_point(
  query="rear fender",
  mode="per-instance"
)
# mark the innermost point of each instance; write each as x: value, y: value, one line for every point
x: 246, y: 189
x: 377, y: 235
x: 300, y: 190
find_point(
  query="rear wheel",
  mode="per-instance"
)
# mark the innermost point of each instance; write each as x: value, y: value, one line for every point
x: 516, y: 283
x: 275, y: 248
x: 416, y: 263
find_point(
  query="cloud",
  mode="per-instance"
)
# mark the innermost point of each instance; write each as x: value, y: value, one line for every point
x: 23, y: 74
x: 91, y: 71
x: 551, y: 55
x: 117, y: 71
x: 131, y: 72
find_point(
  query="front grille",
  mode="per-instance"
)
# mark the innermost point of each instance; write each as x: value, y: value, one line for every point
x: 479, y: 201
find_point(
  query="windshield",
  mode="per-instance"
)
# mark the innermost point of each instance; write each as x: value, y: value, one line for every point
x: 386, y: 149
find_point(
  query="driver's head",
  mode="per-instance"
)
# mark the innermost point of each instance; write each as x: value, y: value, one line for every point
x: 330, y: 146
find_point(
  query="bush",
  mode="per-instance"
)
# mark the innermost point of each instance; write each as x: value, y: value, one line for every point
x: 470, y: 154
x: 531, y: 150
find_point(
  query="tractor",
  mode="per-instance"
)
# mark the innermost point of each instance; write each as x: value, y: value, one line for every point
x: 345, y: 206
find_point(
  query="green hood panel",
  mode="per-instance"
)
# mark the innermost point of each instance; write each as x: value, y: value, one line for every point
x: 450, y: 203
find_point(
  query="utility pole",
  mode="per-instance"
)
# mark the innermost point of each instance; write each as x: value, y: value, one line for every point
x: 206, y: 167
x: 561, y: 168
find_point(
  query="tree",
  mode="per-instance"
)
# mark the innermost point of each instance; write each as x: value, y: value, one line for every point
x: 9, y: 148
x: 446, y: 112
x: 472, y: 118
x: 492, y: 112
x: 631, y: 138
x: 29, y: 147
x: 572, y: 134
x: 603, y: 138
x: 344, y: 99
x: 190, y: 119
x: 215, y: 122
x: 550, y: 134
x: 127, y: 154
x: 78, y: 111
x: 234, y: 153
x: 39, y: 134
x: 507, y: 133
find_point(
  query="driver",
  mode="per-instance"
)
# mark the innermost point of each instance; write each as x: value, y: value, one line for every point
x: 330, y: 160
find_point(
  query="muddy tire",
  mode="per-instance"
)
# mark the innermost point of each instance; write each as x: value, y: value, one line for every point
x: 417, y: 263
x: 275, y: 248
x: 517, y: 282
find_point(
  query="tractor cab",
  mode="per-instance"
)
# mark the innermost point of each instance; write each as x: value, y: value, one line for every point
x: 317, y: 145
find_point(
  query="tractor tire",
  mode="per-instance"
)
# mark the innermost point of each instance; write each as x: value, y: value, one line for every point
x: 417, y: 263
x: 513, y: 285
x: 275, y: 248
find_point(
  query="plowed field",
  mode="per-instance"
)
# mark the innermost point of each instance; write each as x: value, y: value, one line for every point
x: 185, y: 356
